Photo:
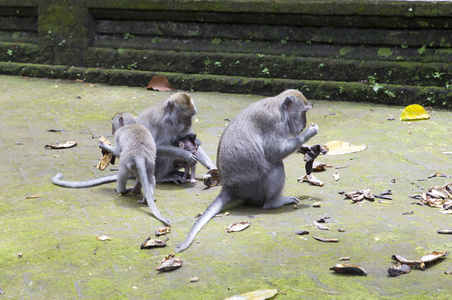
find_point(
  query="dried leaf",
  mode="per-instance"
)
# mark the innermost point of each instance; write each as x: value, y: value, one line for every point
x: 336, y: 176
x: 32, y: 197
x: 340, y: 147
x: 255, y: 295
x: 103, y: 238
x: 238, y: 226
x: 445, y: 231
x: 159, y: 83
x: 107, y: 157
x: 435, y: 255
x: 317, y: 204
x: 302, y: 232
x: 414, y: 112
x: 194, y: 279
x: 437, y: 174
x: 311, y: 179
x: 399, y: 269
x: 162, y: 230
x: 326, y: 240
x: 349, y: 269
x: 212, y: 178
x: 68, y: 144
x: 151, y: 243
x: 318, y: 166
x: 169, y: 263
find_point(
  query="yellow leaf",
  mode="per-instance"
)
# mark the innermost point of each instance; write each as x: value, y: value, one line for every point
x: 414, y: 112
x: 340, y: 147
x: 255, y: 295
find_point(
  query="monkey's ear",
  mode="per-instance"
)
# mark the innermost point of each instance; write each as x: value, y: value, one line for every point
x: 121, y: 121
x: 287, y: 104
x: 170, y: 105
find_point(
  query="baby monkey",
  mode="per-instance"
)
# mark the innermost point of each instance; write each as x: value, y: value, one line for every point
x: 135, y: 147
x: 191, y: 144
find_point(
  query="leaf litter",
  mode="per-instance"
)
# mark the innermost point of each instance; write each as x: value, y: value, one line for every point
x: 169, y: 263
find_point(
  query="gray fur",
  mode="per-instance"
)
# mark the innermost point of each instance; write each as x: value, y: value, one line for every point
x: 135, y: 147
x: 251, y: 151
x: 169, y: 121
x: 188, y: 143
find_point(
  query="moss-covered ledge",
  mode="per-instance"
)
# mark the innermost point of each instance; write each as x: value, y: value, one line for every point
x: 326, y: 90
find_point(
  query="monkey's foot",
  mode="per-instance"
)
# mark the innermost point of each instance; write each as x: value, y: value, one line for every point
x: 123, y: 192
x: 142, y: 201
x: 281, y: 202
x: 191, y: 180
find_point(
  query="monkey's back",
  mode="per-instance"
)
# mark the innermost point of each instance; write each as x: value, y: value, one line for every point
x: 241, y: 156
x: 136, y: 140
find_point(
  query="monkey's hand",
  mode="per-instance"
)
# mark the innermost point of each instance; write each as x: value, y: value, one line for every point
x: 190, y: 157
x: 311, y: 130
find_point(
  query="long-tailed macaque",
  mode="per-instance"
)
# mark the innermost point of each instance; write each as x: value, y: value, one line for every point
x: 188, y: 143
x: 251, y: 151
x: 135, y: 147
x: 169, y: 121
x: 126, y: 119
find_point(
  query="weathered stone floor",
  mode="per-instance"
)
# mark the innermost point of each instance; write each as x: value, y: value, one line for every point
x: 62, y: 259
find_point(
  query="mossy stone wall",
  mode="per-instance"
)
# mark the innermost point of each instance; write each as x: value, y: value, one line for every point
x: 379, y: 51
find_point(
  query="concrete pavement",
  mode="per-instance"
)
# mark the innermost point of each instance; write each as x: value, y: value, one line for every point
x: 48, y: 248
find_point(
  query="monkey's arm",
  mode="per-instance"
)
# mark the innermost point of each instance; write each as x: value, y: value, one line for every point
x: 176, y: 153
x: 204, y: 159
x: 296, y: 142
x: 116, y: 151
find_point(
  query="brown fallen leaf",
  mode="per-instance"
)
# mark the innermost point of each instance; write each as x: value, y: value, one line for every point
x: 32, y: 197
x: 310, y: 179
x: 326, y: 240
x: 68, y: 144
x: 238, y: 226
x: 159, y: 83
x: 169, y: 263
x: 399, y: 269
x: 162, y: 230
x: 107, y: 157
x: 151, y: 243
x: 255, y: 295
x: 212, y: 178
x: 349, y: 269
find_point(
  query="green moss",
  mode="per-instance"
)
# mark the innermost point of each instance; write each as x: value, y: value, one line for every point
x: 385, y: 52
x: 344, y: 51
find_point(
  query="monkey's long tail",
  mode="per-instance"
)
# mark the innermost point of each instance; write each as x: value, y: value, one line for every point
x: 83, y: 184
x: 214, y: 208
x: 148, y: 191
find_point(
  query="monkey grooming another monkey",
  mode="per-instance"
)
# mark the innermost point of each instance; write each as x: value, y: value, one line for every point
x: 135, y: 147
x: 169, y: 121
x: 251, y: 151
x: 191, y: 144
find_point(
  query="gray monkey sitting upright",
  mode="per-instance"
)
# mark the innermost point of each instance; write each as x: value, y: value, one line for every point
x: 251, y: 151
x: 169, y: 121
